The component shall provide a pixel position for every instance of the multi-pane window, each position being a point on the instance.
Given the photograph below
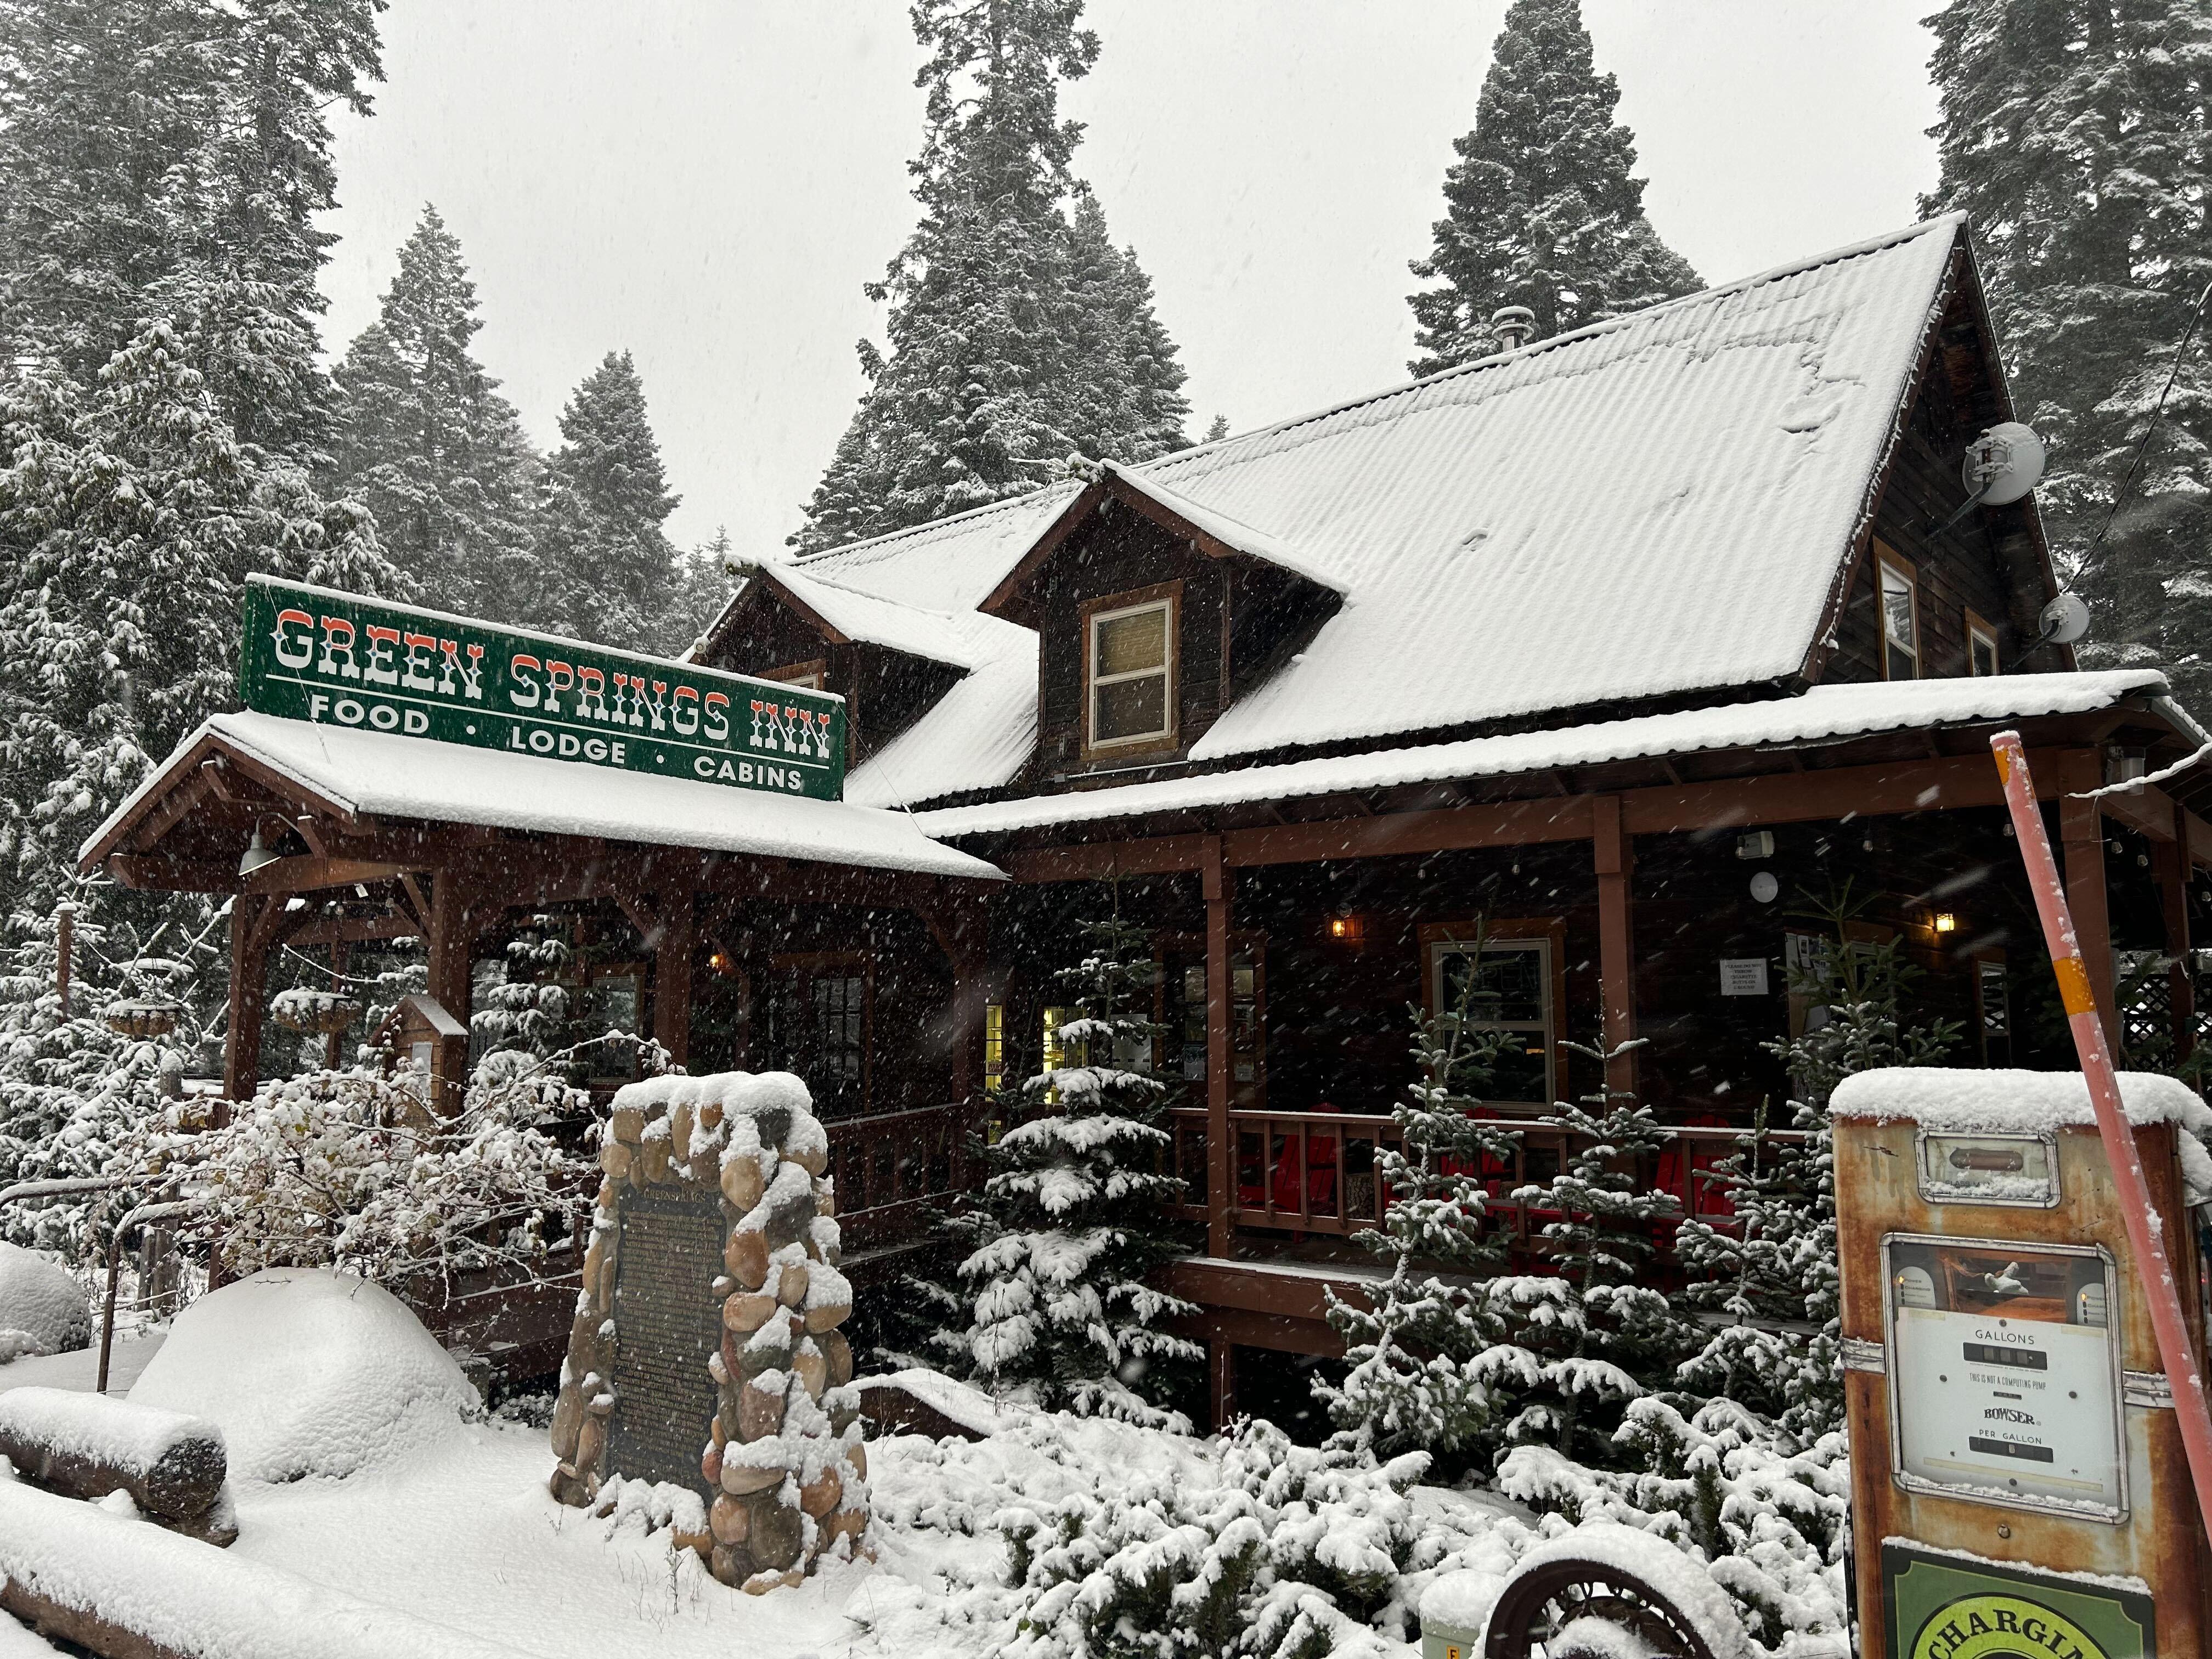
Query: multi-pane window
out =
(994, 1046)
(1511, 995)
(1901, 618)
(1130, 674)
(841, 1006)
(1994, 998)
(1981, 646)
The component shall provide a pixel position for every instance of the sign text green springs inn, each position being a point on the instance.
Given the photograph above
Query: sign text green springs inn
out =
(337, 659)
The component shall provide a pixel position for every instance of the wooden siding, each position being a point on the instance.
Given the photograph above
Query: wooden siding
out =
(885, 692)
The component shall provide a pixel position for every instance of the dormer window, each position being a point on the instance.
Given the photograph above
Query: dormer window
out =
(1900, 616)
(1129, 670)
(807, 676)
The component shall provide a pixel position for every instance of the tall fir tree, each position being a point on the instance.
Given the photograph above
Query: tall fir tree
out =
(2078, 133)
(164, 161)
(604, 568)
(1052, 1305)
(1542, 209)
(1019, 340)
(429, 445)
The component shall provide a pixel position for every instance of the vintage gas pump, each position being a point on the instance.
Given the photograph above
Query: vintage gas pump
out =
(2018, 1486)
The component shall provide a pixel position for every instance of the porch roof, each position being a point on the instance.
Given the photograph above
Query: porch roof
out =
(355, 774)
(1824, 711)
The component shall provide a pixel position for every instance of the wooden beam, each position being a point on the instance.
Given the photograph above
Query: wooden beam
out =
(1106, 860)
(249, 964)
(2174, 874)
(353, 930)
(412, 895)
(1218, 884)
(179, 803)
(450, 938)
(1925, 786)
(2147, 809)
(1615, 858)
(1448, 829)
(307, 875)
(155, 873)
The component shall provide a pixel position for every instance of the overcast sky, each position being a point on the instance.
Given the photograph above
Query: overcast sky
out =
(708, 183)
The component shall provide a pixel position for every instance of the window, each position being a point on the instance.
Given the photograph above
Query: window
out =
(994, 1046)
(1993, 1000)
(817, 1026)
(1514, 993)
(807, 676)
(1129, 670)
(1901, 617)
(1981, 646)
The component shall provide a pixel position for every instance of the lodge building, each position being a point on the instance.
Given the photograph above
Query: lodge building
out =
(1634, 643)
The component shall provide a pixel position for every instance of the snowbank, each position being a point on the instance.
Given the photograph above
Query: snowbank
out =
(308, 1372)
(192, 1598)
(43, 1309)
(1967, 1102)
(967, 1409)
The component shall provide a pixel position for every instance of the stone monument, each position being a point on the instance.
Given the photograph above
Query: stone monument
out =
(706, 1351)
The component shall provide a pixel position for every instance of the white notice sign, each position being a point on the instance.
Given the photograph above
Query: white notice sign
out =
(1743, 976)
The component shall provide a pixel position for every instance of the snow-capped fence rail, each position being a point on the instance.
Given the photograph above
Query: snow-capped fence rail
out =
(119, 1588)
(86, 1445)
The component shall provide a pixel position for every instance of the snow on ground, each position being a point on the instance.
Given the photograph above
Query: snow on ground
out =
(80, 1370)
(42, 1306)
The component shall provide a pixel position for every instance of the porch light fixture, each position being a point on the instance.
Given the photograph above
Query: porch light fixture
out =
(256, 855)
(1349, 928)
(1943, 922)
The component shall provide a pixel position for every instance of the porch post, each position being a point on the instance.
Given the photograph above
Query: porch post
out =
(2174, 871)
(960, 926)
(1217, 883)
(1615, 857)
(450, 939)
(2081, 826)
(671, 975)
(249, 967)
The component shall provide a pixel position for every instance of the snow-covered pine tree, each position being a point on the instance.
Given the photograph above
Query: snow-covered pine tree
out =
(1004, 316)
(429, 445)
(2078, 134)
(1055, 1303)
(603, 570)
(1592, 1334)
(164, 161)
(1215, 429)
(1542, 209)
(526, 1013)
(1775, 1275)
(1420, 1347)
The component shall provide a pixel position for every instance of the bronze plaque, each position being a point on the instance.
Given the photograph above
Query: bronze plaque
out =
(666, 1325)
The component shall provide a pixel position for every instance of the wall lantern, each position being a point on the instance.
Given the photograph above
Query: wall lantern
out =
(720, 961)
(1943, 922)
(1349, 928)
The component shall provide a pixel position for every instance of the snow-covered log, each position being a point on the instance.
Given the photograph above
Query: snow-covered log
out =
(87, 1446)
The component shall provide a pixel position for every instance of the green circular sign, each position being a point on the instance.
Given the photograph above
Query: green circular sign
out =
(1996, 1626)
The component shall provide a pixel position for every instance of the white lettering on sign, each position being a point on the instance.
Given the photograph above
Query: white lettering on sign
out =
(1743, 976)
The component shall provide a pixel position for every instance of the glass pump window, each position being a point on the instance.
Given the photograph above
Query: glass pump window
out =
(1132, 674)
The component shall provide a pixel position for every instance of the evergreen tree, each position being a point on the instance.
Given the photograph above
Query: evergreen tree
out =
(604, 568)
(526, 1013)
(1053, 1294)
(2078, 133)
(164, 161)
(1541, 208)
(429, 445)
(1421, 1349)
(1020, 339)
(1777, 1270)
(1216, 429)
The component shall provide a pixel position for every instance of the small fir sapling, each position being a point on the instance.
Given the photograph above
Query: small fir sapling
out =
(1419, 1350)
(1775, 1274)
(526, 1012)
(1592, 1334)
(1053, 1307)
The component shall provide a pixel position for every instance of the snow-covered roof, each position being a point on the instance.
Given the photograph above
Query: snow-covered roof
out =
(870, 619)
(1825, 711)
(387, 773)
(1979, 1101)
(1655, 506)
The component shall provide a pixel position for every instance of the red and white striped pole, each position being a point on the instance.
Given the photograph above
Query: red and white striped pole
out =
(2080, 1003)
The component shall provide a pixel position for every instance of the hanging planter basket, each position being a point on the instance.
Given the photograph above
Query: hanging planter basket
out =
(314, 1014)
(143, 1018)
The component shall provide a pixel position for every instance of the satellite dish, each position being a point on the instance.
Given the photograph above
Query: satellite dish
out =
(2065, 619)
(2004, 464)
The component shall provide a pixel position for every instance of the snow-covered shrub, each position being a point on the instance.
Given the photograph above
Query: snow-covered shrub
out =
(308, 1372)
(1765, 1517)
(1051, 1305)
(42, 1308)
(349, 1170)
(1275, 1549)
(528, 1009)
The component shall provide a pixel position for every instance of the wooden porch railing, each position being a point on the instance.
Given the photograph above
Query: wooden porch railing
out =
(895, 1171)
(1315, 1172)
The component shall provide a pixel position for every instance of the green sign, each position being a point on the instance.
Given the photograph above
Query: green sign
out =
(339, 659)
(1952, 1607)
